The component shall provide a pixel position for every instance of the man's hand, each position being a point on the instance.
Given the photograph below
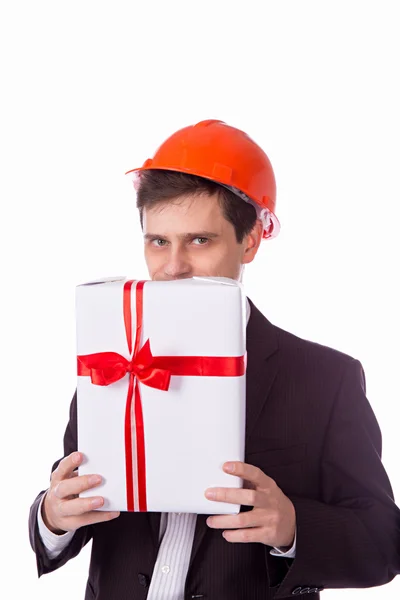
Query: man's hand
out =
(271, 522)
(62, 510)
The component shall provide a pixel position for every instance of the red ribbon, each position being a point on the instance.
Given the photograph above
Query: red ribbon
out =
(105, 368)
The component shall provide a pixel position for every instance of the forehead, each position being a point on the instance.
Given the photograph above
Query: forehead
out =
(186, 211)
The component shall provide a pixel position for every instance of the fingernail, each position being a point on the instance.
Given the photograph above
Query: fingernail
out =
(210, 494)
(94, 479)
(230, 467)
(96, 502)
(77, 458)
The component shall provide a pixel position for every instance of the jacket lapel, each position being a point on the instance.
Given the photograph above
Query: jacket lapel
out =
(262, 367)
(154, 522)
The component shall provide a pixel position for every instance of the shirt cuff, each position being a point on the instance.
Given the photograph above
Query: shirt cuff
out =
(53, 543)
(291, 553)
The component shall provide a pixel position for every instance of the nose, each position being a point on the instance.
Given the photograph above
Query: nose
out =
(177, 265)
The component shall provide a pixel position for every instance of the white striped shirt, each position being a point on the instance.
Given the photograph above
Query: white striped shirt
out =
(169, 574)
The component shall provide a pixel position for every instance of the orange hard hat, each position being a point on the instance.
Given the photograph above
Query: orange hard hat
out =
(216, 151)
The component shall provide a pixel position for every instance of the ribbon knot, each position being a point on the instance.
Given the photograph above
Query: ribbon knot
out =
(105, 368)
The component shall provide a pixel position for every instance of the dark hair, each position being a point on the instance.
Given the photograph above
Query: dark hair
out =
(159, 185)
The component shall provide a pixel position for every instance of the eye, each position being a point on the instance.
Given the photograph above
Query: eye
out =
(201, 241)
(159, 243)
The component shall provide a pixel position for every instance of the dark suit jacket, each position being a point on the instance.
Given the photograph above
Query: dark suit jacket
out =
(310, 427)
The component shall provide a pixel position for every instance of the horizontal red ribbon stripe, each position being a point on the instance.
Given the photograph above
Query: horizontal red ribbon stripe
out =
(107, 367)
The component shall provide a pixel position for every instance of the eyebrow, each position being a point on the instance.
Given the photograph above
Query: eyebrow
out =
(183, 236)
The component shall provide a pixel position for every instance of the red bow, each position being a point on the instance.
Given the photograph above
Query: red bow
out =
(105, 368)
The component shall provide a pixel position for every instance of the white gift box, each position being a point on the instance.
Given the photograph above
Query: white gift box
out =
(168, 447)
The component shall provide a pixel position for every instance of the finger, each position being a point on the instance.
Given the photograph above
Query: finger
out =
(89, 518)
(66, 466)
(76, 485)
(244, 536)
(100, 516)
(79, 506)
(243, 520)
(245, 497)
(249, 473)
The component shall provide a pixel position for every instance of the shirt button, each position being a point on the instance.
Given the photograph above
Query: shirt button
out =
(143, 579)
(165, 569)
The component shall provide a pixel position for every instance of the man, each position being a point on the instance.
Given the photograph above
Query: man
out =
(317, 509)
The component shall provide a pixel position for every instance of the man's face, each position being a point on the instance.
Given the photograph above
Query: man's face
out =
(189, 236)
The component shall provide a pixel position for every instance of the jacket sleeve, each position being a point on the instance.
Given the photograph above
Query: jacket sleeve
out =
(82, 535)
(350, 538)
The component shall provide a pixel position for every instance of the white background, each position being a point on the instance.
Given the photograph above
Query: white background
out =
(88, 91)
